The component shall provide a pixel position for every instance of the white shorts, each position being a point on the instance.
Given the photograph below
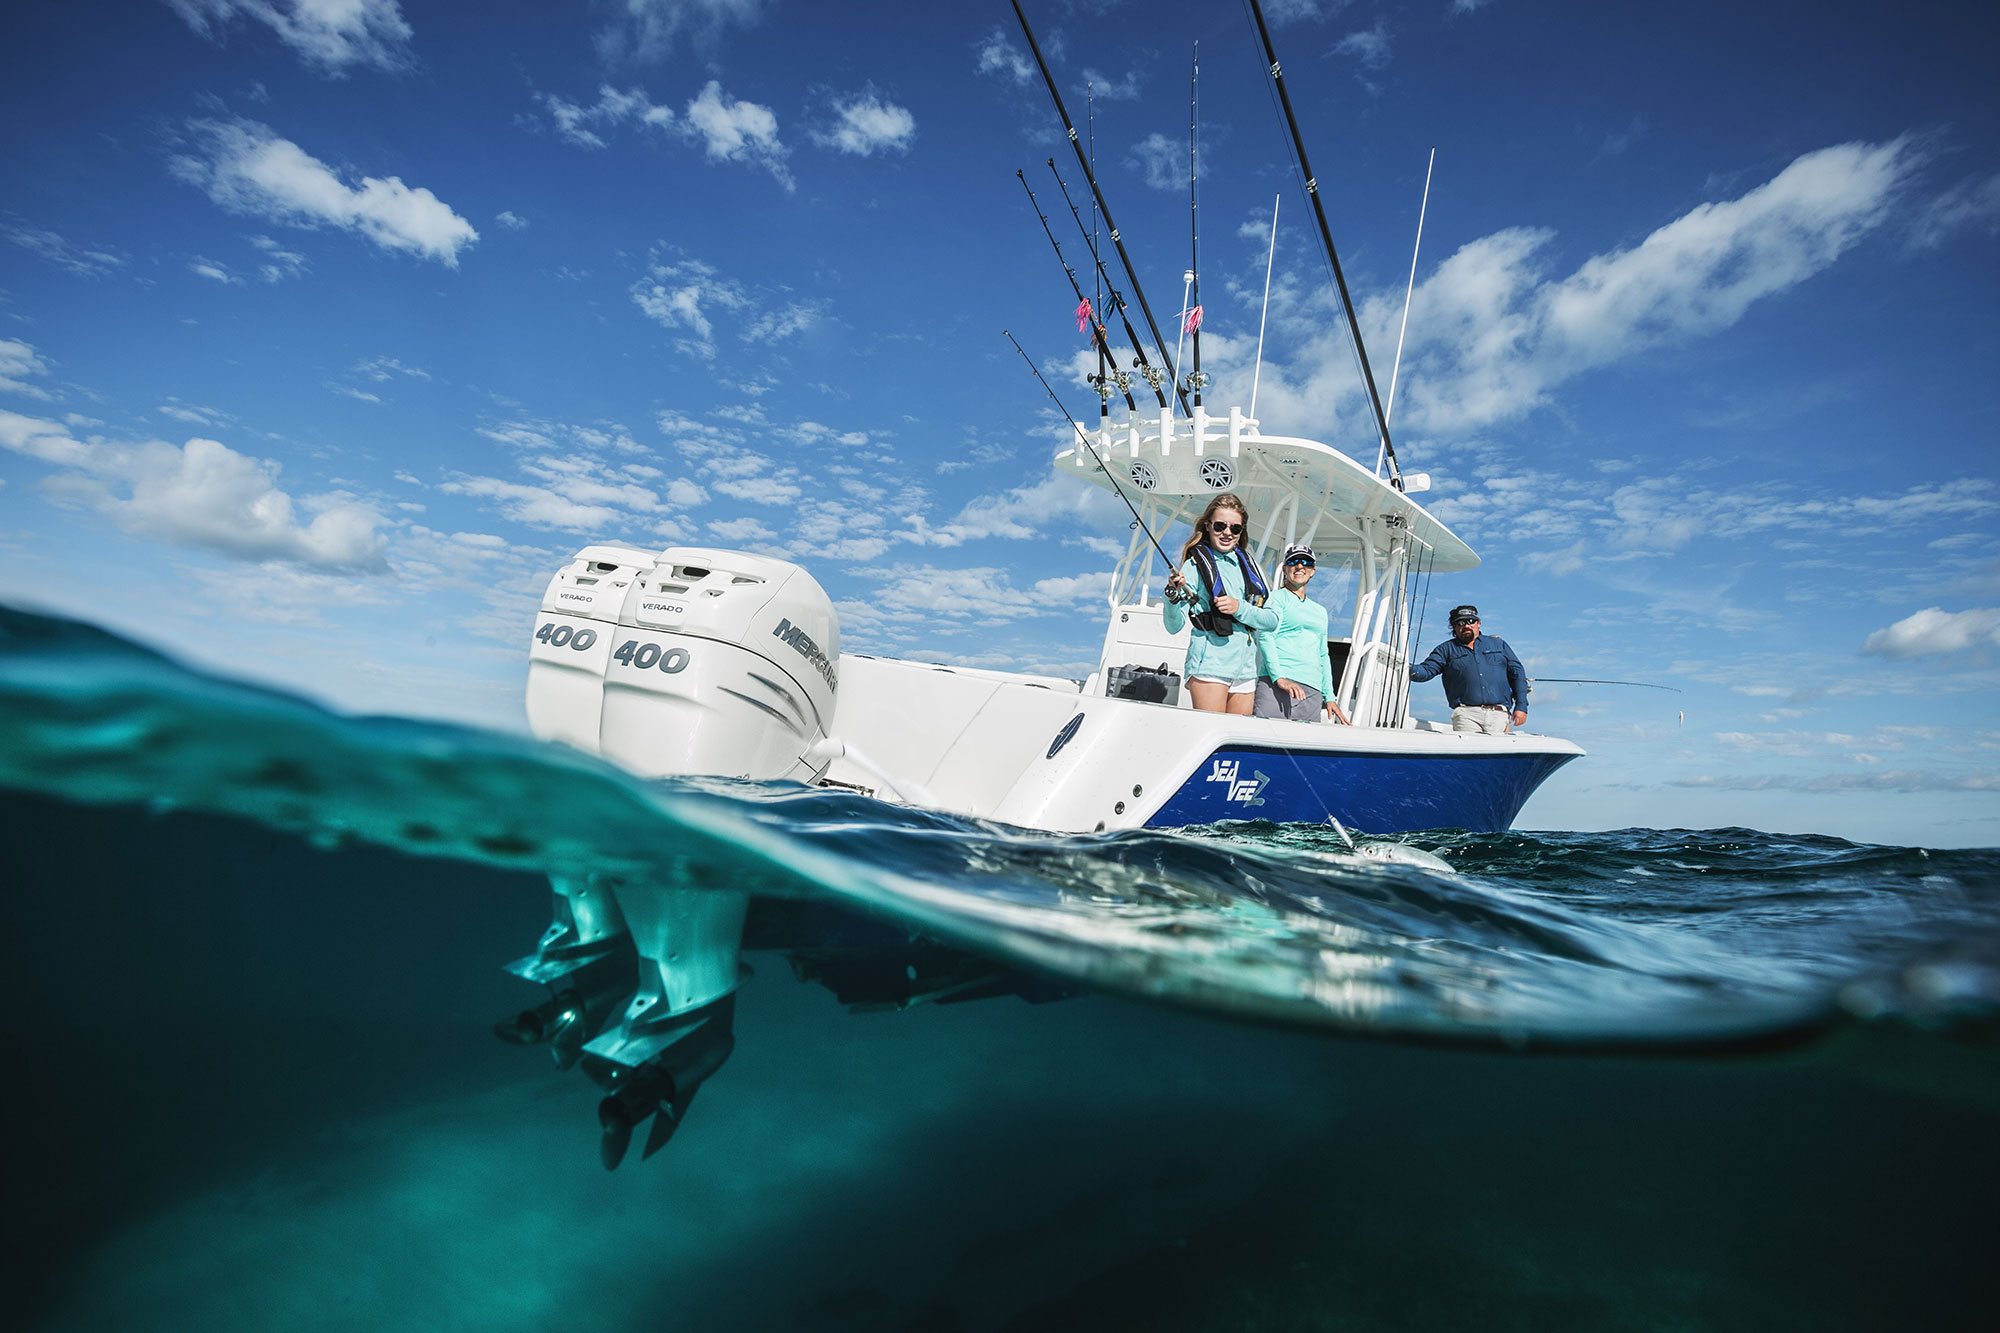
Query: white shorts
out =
(1248, 685)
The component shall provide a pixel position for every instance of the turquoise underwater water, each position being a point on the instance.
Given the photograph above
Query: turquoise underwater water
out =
(1643, 1079)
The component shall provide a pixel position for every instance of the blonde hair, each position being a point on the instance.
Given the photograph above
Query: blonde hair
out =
(1226, 500)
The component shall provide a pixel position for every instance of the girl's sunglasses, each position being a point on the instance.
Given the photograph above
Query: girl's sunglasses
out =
(1230, 529)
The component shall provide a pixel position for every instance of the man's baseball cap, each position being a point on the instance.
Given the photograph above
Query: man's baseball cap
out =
(1302, 553)
(1461, 615)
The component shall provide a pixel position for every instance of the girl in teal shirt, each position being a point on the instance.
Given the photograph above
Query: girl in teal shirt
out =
(1221, 658)
(1297, 676)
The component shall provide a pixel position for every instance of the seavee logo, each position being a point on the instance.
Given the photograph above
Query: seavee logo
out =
(806, 648)
(1230, 773)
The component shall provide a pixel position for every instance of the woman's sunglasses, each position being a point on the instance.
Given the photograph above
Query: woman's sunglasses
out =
(1228, 529)
(1300, 563)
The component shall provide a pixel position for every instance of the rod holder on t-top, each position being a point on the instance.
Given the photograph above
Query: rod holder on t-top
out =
(1172, 594)
(1083, 160)
(1326, 236)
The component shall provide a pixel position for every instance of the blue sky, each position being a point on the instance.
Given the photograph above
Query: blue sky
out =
(330, 328)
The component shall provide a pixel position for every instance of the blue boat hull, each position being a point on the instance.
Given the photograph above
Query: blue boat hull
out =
(1368, 793)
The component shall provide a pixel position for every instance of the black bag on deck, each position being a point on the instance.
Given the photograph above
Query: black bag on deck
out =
(1152, 685)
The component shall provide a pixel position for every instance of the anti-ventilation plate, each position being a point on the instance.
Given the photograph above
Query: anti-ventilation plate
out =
(1217, 474)
(1142, 474)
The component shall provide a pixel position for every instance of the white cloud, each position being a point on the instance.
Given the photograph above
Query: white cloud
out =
(1370, 46)
(914, 594)
(761, 490)
(83, 260)
(744, 530)
(864, 124)
(568, 484)
(1970, 203)
(537, 506)
(194, 414)
(18, 361)
(998, 55)
(278, 263)
(689, 295)
(1934, 631)
(1281, 12)
(329, 34)
(1106, 89)
(203, 495)
(1164, 161)
(1490, 336)
(612, 108)
(777, 325)
(246, 168)
(813, 432)
(384, 368)
(1090, 589)
(511, 220)
(649, 28)
(738, 131)
(208, 268)
(681, 295)
(1055, 505)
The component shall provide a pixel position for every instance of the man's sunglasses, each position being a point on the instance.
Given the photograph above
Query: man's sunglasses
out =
(1230, 529)
(1303, 562)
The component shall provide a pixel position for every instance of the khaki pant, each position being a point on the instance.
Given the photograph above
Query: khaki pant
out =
(1492, 721)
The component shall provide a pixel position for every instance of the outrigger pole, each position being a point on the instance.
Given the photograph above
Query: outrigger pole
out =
(1084, 436)
(1325, 235)
(1083, 161)
(1082, 302)
(1144, 367)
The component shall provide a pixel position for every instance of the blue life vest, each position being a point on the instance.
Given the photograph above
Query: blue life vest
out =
(1213, 621)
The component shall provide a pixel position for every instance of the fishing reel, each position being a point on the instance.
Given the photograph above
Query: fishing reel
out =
(1117, 381)
(1154, 375)
(1196, 382)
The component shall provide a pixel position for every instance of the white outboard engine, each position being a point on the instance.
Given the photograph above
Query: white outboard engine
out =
(695, 661)
(691, 662)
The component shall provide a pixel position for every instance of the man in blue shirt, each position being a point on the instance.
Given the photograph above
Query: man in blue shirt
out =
(1482, 677)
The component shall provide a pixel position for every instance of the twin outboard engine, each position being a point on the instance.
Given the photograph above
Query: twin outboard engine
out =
(690, 662)
(694, 661)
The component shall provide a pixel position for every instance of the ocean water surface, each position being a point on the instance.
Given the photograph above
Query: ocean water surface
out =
(1642, 1079)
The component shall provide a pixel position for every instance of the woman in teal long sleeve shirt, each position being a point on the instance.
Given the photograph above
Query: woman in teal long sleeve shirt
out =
(1297, 678)
(1221, 667)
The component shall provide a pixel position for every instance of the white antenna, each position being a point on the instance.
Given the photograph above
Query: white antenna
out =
(1395, 369)
(1258, 373)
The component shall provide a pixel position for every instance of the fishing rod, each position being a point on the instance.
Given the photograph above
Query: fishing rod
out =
(1095, 457)
(1326, 237)
(1085, 313)
(1083, 161)
(1144, 367)
(1635, 684)
(1191, 325)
